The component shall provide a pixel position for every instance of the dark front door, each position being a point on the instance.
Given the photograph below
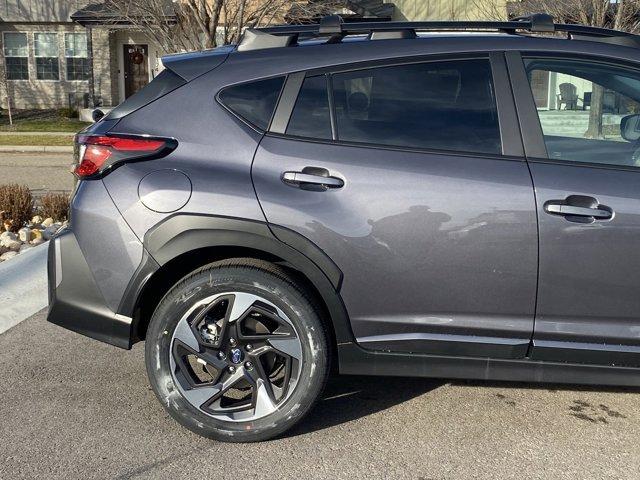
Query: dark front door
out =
(408, 192)
(136, 68)
(588, 200)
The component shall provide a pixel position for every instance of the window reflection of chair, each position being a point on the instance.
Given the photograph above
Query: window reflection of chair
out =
(568, 96)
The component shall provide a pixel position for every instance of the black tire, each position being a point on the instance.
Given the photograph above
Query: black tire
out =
(258, 278)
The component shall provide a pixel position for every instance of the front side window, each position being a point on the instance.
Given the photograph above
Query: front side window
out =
(16, 54)
(76, 56)
(254, 101)
(45, 46)
(447, 105)
(588, 111)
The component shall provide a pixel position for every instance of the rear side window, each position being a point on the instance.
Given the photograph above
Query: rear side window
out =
(254, 101)
(165, 82)
(311, 117)
(448, 105)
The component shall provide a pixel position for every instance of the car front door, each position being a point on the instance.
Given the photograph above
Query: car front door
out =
(400, 175)
(584, 155)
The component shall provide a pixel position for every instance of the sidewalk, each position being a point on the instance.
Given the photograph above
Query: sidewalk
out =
(62, 134)
(23, 286)
(35, 149)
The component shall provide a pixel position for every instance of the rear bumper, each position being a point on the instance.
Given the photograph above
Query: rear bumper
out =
(75, 302)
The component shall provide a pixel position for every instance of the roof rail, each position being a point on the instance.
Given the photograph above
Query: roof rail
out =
(334, 29)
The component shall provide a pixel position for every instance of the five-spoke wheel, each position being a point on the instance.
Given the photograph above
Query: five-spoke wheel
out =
(237, 351)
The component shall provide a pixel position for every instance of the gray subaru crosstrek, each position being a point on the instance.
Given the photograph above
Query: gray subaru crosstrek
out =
(457, 200)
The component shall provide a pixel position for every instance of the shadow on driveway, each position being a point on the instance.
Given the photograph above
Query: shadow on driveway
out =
(348, 398)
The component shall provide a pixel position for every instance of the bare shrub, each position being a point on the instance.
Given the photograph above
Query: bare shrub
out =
(56, 206)
(16, 206)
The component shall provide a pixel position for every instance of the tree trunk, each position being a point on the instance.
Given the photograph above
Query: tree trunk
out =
(595, 114)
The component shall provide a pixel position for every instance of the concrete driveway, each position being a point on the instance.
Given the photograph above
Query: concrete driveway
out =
(74, 408)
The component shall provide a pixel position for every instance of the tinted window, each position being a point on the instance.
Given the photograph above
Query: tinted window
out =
(437, 105)
(588, 111)
(165, 82)
(310, 117)
(253, 101)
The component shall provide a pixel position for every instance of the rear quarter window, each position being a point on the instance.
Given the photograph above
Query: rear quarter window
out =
(165, 82)
(254, 102)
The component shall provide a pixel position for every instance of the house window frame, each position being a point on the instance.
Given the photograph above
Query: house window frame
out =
(4, 46)
(35, 56)
(66, 58)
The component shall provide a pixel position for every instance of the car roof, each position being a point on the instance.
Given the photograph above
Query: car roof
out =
(318, 53)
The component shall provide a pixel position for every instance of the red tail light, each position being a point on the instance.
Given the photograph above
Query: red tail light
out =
(98, 153)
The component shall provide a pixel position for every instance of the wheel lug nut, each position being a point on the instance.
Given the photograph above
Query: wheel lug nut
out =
(249, 347)
(232, 369)
(232, 342)
(248, 365)
(221, 355)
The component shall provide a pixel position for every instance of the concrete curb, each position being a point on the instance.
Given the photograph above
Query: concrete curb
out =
(35, 149)
(23, 286)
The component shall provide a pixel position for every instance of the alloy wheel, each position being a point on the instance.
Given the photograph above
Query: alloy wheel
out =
(235, 356)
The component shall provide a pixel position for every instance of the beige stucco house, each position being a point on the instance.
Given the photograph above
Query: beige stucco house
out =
(53, 60)
(77, 53)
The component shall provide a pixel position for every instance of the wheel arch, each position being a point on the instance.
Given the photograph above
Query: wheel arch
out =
(184, 242)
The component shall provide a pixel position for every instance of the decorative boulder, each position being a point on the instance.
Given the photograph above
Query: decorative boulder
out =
(36, 233)
(7, 238)
(50, 231)
(37, 241)
(47, 222)
(24, 234)
(7, 256)
(14, 245)
(37, 220)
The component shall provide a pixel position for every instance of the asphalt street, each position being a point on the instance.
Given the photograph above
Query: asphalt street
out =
(39, 171)
(75, 408)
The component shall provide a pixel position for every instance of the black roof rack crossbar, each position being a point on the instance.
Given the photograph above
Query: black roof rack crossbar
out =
(332, 26)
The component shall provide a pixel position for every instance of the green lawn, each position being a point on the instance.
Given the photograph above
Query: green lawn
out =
(55, 125)
(37, 140)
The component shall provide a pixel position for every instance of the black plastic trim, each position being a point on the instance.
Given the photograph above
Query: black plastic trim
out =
(592, 353)
(183, 233)
(507, 115)
(75, 301)
(354, 360)
(147, 267)
(532, 137)
(286, 103)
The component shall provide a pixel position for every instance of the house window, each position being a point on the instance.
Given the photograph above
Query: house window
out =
(75, 52)
(16, 54)
(46, 52)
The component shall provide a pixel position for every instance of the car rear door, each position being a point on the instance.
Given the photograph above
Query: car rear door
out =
(410, 177)
(587, 180)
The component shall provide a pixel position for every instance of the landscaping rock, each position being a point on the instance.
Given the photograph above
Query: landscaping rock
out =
(24, 234)
(47, 222)
(7, 237)
(36, 234)
(7, 256)
(37, 220)
(50, 231)
(13, 245)
(3, 249)
(37, 241)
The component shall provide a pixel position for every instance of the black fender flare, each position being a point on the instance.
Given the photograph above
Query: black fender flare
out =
(183, 233)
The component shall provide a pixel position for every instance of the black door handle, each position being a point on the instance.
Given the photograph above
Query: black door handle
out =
(583, 207)
(312, 178)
